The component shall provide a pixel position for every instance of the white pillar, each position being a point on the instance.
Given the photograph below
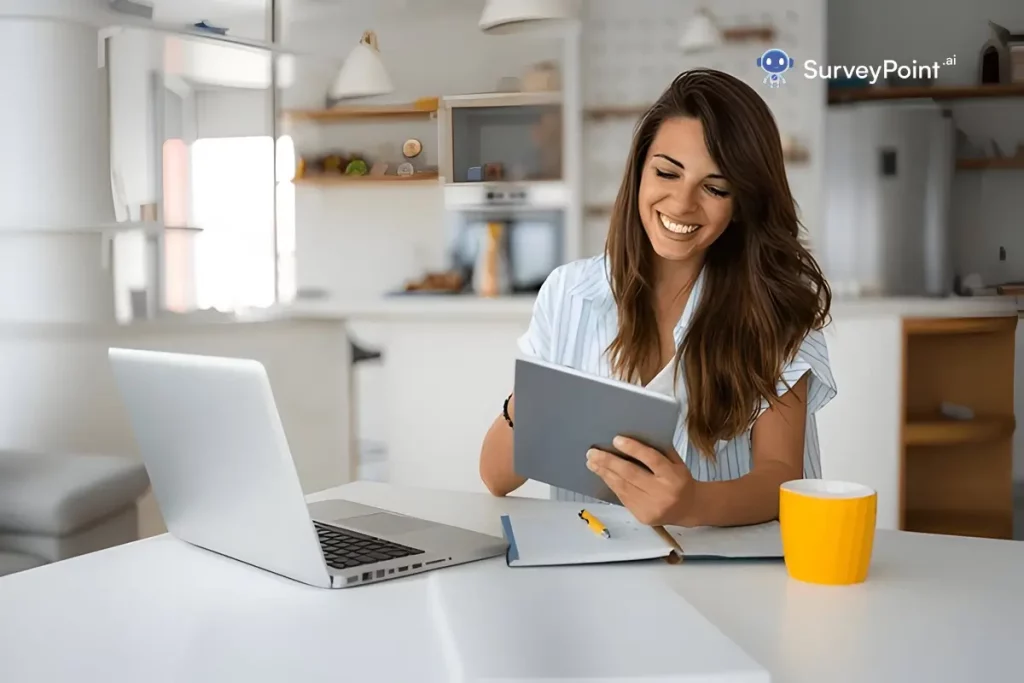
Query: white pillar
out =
(55, 189)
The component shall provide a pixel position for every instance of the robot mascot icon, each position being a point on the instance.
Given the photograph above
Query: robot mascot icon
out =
(774, 63)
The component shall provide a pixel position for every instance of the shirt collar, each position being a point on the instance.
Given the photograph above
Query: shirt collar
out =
(597, 288)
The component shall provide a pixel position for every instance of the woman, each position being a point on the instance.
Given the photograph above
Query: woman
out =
(706, 292)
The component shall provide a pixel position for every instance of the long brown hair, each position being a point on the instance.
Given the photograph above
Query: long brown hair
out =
(762, 292)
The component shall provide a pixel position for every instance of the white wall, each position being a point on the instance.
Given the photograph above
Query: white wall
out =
(630, 55)
(867, 31)
(132, 116)
(54, 173)
(228, 113)
(987, 205)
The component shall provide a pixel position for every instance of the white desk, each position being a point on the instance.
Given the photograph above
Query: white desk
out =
(934, 609)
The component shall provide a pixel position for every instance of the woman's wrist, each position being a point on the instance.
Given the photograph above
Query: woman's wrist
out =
(693, 502)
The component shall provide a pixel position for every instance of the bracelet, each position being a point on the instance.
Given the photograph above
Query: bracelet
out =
(504, 411)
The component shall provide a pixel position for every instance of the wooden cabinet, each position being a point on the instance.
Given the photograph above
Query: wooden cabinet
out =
(957, 474)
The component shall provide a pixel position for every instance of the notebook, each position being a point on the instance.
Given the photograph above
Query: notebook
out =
(554, 534)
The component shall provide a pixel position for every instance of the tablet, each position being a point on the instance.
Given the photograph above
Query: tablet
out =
(561, 413)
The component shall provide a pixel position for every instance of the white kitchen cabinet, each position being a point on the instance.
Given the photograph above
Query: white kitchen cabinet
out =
(445, 385)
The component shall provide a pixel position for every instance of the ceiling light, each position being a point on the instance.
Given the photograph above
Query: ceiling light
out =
(701, 33)
(516, 16)
(363, 74)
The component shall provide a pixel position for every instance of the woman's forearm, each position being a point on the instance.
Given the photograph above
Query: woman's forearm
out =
(496, 457)
(750, 499)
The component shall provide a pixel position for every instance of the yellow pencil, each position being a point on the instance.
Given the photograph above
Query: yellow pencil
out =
(595, 524)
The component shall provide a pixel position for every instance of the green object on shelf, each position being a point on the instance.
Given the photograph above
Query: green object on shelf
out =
(356, 167)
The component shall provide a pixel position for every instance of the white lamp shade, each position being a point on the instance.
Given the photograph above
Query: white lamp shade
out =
(363, 74)
(515, 16)
(701, 33)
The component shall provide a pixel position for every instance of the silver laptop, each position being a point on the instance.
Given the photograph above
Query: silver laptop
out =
(212, 441)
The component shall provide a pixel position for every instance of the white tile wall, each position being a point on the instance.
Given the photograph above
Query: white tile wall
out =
(630, 55)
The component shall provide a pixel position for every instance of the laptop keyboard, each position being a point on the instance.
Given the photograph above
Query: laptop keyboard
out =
(344, 549)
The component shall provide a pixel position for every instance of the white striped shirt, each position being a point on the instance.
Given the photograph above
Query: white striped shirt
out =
(575, 319)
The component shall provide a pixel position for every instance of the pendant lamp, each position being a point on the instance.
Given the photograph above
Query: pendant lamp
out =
(515, 16)
(701, 33)
(363, 74)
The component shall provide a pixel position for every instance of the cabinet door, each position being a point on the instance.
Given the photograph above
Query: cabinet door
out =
(446, 382)
(859, 430)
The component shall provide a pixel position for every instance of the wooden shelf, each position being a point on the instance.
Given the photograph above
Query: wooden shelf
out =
(422, 108)
(597, 211)
(129, 21)
(339, 179)
(964, 92)
(943, 326)
(148, 227)
(597, 113)
(538, 98)
(1000, 163)
(954, 523)
(935, 430)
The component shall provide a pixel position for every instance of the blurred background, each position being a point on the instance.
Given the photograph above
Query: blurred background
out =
(366, 195)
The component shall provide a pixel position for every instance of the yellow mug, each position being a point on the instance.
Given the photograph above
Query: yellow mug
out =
(828, 530)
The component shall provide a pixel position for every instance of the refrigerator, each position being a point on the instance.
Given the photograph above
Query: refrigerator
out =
(888, 175)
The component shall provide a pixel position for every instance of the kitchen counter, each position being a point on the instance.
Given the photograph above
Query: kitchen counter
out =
(468, 308)
(927, 307)
(429, 307)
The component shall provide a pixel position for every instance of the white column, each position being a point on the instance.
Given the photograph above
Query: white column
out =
(55, 189)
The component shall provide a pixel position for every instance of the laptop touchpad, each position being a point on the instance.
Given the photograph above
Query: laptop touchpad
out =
(386, 524)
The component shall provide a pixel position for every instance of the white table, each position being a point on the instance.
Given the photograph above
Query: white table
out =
(934, 609)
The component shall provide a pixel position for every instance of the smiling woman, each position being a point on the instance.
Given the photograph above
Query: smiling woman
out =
(705, 292)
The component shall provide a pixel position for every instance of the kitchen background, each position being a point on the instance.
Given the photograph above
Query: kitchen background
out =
(216, 223)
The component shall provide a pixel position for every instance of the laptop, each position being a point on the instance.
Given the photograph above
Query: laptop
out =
(212, 441)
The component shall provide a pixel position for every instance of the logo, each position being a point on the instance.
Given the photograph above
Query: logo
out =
(774, 63)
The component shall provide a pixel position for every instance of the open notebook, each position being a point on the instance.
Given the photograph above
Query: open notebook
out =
(554, 534)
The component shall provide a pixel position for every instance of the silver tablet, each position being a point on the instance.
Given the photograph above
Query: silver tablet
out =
(561, 413)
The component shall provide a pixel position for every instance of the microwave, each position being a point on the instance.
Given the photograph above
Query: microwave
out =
(501, 137)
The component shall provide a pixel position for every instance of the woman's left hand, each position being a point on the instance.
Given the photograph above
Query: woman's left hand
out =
(662, 496)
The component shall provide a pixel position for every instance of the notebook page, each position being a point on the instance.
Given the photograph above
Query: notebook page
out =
(554, 534)
(743, 542)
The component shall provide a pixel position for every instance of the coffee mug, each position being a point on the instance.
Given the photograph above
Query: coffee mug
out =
(828, 530)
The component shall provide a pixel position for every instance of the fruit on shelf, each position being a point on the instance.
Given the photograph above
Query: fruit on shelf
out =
(357, 167)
